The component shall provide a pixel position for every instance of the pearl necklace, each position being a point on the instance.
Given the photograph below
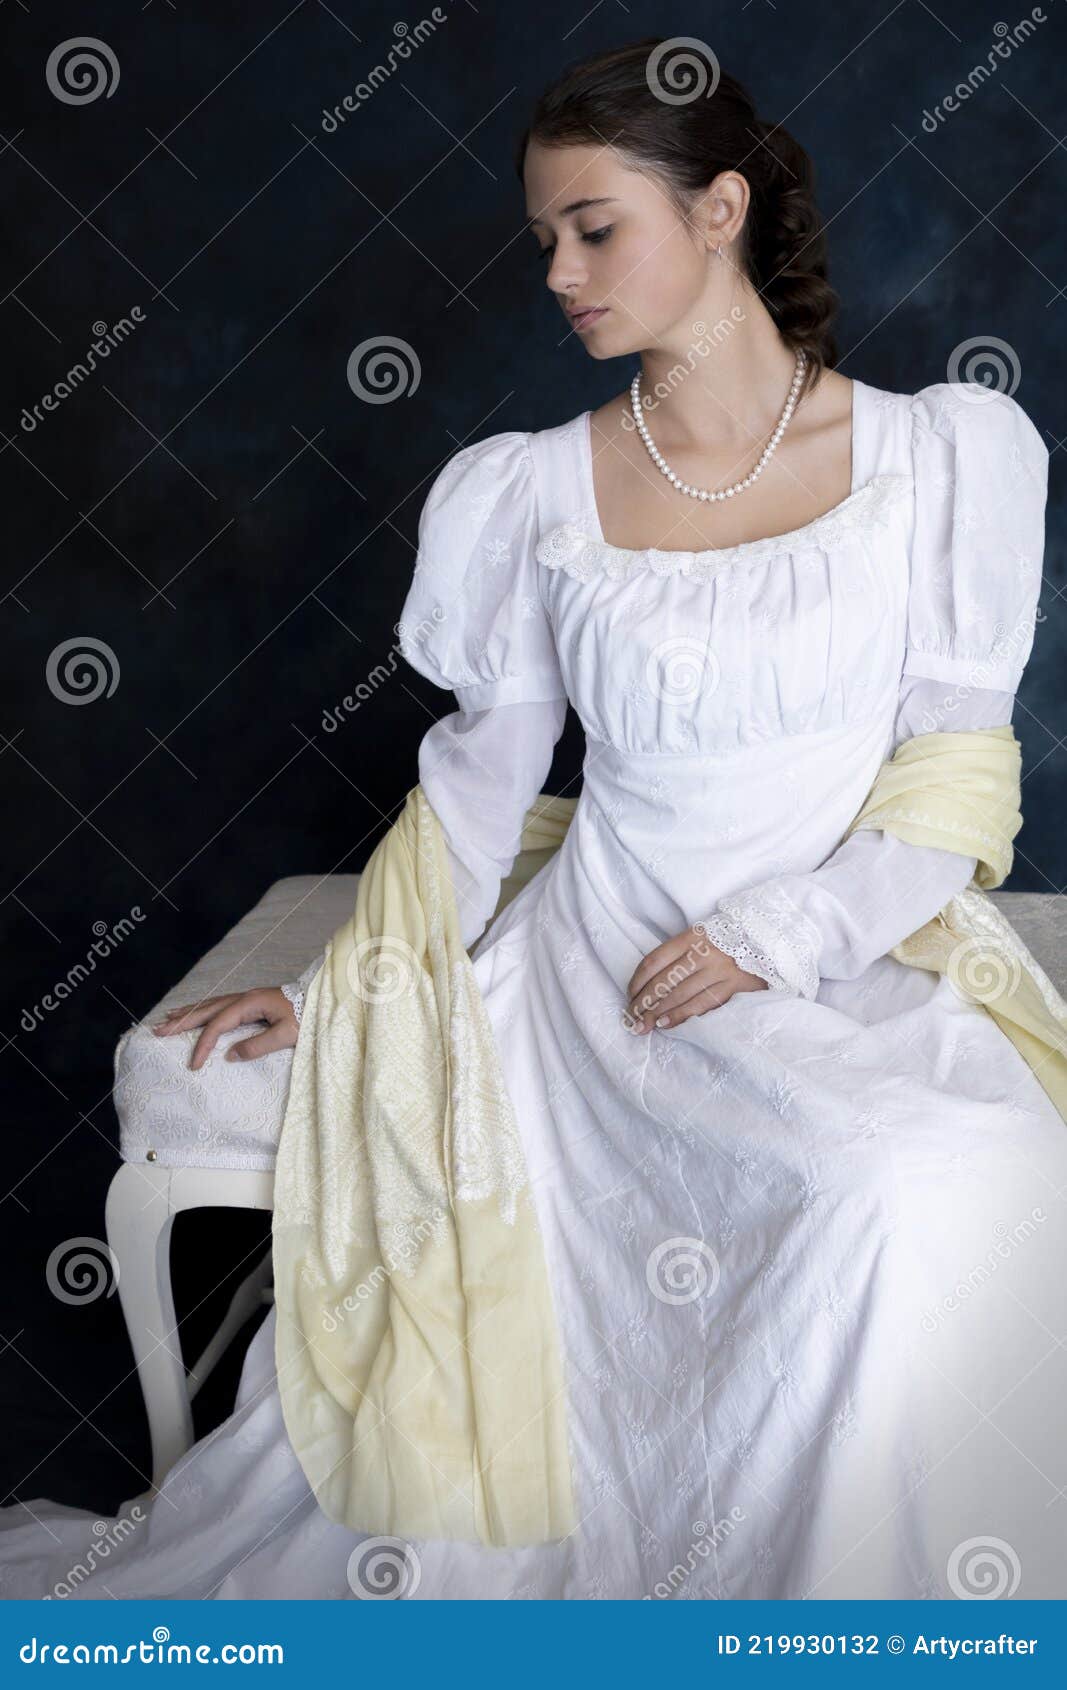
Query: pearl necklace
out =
(765, 456)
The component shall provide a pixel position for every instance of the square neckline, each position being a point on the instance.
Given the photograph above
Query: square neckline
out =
(741, 546)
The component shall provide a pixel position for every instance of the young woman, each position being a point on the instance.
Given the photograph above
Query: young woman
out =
(766, 1154)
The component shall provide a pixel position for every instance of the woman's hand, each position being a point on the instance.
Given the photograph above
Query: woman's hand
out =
(235, 1009)
(685, 976)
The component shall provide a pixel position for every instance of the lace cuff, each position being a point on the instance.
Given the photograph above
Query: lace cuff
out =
(767, 934)
(295, 989)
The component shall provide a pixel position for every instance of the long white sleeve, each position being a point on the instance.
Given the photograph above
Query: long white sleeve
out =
(481, 770)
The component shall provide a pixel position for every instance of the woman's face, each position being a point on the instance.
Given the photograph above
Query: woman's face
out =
(611, 239)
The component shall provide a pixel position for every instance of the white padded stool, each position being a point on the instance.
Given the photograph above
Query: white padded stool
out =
(209, 1138)
(204, 1138)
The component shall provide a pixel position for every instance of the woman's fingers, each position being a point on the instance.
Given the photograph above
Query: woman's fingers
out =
(241, 1009)
(653, 963)
(685, 952)
(674, 983)
(233, 1009)
(186, 1015)
(668, 995)
(711, 997)
(277, 1037)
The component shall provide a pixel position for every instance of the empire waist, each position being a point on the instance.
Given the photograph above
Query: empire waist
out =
(784, 804)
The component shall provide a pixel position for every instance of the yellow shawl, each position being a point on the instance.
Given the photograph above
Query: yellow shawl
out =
(417, 1351)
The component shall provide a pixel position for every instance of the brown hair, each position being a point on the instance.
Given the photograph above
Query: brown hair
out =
(624, 99)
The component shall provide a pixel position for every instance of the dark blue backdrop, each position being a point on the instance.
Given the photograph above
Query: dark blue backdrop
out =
(215, 507)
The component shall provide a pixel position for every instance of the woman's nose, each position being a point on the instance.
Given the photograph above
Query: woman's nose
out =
(565, 278)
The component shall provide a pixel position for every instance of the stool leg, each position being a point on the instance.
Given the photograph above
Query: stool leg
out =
(245, 1301)
(139, 1219)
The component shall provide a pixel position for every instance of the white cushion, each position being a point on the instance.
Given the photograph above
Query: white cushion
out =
(225, 1114)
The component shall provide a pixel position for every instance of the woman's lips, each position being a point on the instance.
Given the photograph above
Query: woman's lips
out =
(582, 319)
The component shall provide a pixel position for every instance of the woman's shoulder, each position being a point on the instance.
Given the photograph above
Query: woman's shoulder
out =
(511, 443)
(477, 477)
(974, 418)
(507, 456)
(499, 454)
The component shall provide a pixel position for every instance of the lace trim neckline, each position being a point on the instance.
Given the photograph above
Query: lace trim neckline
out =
(573, 547)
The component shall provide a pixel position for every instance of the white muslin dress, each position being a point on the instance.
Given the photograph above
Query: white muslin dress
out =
(807, 1249)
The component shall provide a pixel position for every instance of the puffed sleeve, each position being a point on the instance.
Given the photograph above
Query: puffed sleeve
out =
(981, 478)
(474, 619)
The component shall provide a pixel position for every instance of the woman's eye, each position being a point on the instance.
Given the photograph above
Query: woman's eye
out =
(594, 237)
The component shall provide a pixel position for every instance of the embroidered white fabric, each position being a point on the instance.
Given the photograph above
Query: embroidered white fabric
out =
(871, 893)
